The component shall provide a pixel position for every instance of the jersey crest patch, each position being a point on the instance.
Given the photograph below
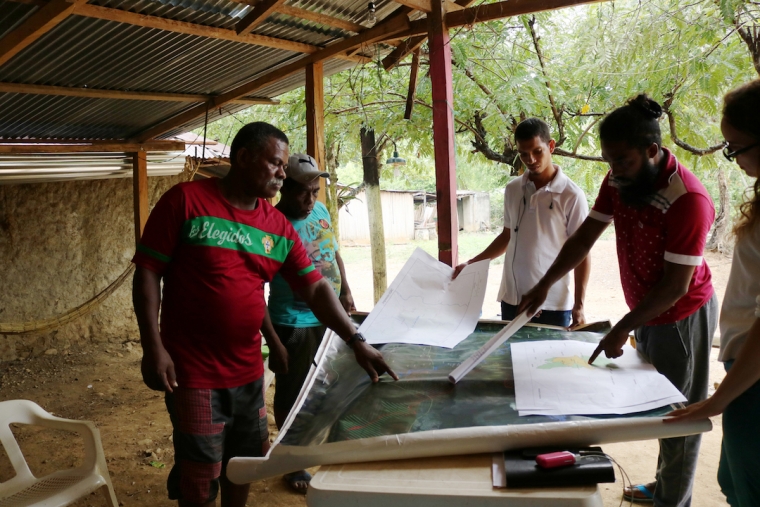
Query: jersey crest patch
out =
(268, 243)
(324, 223)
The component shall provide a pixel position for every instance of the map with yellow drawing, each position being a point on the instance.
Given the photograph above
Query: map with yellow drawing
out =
(576, 362)
(554, 378)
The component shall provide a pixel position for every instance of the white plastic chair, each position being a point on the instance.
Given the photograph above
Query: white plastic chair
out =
(59, 488)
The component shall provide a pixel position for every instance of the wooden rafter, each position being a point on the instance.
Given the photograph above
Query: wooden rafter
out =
(412, 44)
(407, 46)
(50, 146)
(119, 94)
(442, 93)
(314, 94)
(471, 16)
(170, 25)
(288, 10)
(322, 19)
(410, 95)
(258, 15)
(396, 23)
(425, 5)
(140, 192)
(35, 26)
(506, 9)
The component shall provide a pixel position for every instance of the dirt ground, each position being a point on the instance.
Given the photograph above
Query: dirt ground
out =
(103, 384)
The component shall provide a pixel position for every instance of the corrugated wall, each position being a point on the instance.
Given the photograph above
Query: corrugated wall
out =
(398, 218)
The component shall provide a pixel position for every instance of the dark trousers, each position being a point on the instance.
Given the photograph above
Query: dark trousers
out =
(739, 470)
(561, 318)
(681, 352)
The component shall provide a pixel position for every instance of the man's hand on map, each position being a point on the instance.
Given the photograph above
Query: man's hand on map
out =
(612, 344)
(459, 269)
(532, 301)
(579, 318)
(372, 361)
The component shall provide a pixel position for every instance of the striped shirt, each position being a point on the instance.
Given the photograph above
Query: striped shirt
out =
(673, 227)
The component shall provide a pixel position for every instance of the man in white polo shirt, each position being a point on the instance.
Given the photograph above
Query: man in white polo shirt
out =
(542, 208)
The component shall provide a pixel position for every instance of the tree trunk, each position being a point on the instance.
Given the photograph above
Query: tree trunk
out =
(721, 231)
(374, 211)
(331, 161)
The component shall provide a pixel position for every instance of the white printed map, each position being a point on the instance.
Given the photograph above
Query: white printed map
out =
(425, 306)
(553, 377)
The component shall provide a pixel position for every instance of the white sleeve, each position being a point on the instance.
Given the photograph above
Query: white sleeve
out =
(507, 218)
(577, 213)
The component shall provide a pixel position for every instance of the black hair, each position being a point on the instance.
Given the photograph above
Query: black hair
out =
(253, 136)
(532, 127)
(635, 123)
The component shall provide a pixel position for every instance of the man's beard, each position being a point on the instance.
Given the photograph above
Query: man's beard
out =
(639, 191)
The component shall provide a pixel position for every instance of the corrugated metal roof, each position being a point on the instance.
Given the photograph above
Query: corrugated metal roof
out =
(284, 85)
(12, 13)
(40, 116)
(78, 166)
(86, 52)
(93, 53)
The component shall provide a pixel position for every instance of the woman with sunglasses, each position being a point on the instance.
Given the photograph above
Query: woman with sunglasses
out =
(738, 397)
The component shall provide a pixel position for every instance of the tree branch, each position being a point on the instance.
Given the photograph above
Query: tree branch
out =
(564, 153)
(673, 132)
(480, 144)
(556, 112)
(751, 38)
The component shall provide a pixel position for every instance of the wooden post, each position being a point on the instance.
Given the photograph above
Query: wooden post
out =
(140, 191)
(411, 94)
(374, 211)
(443, 134)
(315, 120)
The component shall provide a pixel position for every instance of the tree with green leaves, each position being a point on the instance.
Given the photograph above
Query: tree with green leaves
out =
(569, 67)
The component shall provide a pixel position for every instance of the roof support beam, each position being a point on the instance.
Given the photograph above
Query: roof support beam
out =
(51, 146)
(315, 119)
(396, 23)
(322, 19)
(140, 192)
(289, 10)
(407, 46)
(473, 15)
(414, 71)
(412, 44)
(35, 26)
(441, 78)
(425, 5)
(506, 9)
(258, 15)
(170, 25)
(94, 93)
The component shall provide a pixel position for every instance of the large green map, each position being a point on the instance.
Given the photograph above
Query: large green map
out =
(344, 405)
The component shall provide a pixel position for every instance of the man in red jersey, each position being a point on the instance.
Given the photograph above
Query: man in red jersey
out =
(214, 243)
(662, 215)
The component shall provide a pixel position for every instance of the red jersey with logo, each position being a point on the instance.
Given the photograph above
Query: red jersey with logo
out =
(214, 259)
(673, 228)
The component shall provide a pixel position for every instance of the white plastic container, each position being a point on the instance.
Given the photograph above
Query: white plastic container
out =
(456, 481)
